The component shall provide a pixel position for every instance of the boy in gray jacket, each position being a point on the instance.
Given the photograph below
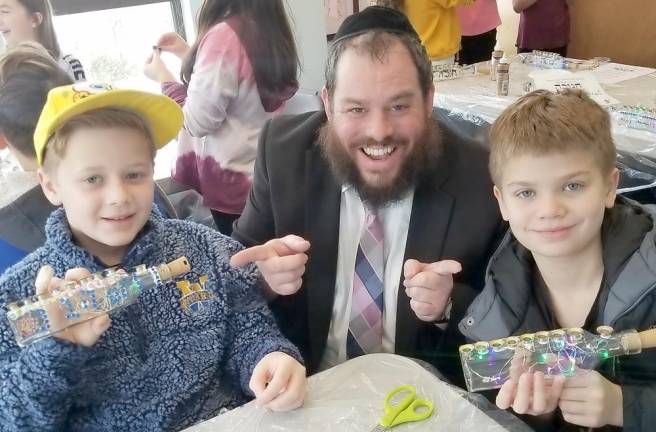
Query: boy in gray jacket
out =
(576, 256)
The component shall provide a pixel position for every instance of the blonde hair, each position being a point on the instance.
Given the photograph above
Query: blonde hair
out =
(103, 118)
(543, 122)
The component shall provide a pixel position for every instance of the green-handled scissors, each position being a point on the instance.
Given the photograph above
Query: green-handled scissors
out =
(407, 410)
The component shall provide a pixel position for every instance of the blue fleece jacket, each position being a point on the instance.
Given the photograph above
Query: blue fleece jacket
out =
(157, 367)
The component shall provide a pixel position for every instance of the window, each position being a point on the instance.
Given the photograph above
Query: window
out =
(113, 38)
(65, 7)
(113, 42)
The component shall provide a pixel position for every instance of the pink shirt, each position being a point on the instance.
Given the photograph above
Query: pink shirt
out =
(481, 17)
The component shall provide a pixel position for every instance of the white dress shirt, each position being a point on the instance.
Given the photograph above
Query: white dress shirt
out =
(395, 220)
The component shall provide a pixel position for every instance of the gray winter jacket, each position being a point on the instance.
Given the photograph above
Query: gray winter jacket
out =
(507, 306)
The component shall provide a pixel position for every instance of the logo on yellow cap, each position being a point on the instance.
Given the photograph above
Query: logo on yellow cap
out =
(86, 89)
(163, 115)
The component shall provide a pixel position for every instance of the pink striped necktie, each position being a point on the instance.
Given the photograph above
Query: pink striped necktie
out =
(365, 333)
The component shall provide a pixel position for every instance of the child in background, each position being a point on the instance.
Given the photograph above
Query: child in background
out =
(478, 25)
(543, 25)
(438, 26)
(27, 74)
(31, 20)
(157, 364)
(576, 256)
(237, 75)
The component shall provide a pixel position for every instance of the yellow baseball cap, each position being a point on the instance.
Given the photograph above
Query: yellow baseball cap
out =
(162, 113)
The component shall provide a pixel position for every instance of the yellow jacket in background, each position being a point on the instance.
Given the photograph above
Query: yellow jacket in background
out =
(437, 24)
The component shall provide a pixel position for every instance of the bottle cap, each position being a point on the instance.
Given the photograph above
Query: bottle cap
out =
(174, 268)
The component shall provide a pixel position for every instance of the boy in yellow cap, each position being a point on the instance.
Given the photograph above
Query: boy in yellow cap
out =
(158, 364)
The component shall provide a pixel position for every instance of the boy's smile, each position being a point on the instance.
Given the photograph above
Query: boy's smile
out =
(105, 184)
(554, 233)
(119, 220)
(555, 203)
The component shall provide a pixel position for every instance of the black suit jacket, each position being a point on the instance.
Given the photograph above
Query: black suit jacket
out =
(454, 215)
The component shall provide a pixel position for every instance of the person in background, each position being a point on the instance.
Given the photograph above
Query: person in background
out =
(478, 25)
(360, 209)
(168, 360)
(543, 25)
(31, 20)
(438, 26)
(236, 76)
(27, 74)
(576, 256)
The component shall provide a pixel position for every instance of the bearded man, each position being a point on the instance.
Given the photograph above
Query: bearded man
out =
(361, 216)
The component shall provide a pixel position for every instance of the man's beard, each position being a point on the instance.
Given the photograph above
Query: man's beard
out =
(418, 164)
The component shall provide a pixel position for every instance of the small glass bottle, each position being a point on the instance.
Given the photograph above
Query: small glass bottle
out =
(503, 77)
(497, 55)
(41, 316)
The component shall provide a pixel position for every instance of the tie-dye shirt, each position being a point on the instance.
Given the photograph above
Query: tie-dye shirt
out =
(223, 117)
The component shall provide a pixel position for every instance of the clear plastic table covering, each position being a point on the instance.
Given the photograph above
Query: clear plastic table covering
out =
(349, 397)
(474, 97)
(470, 104)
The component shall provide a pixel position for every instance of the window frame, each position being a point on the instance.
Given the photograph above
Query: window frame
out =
(67, 7)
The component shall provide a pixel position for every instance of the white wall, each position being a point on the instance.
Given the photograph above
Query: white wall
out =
(194, 5)
(507, 31)
(308, 24)
(189, 9)
(309, 27)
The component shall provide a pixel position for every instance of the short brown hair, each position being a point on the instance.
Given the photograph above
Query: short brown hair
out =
(27, 74)
(376, 44)
(543, 122)
(103, 118)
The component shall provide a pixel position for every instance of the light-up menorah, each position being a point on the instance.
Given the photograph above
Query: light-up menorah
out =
(635, 117)
(41, 316)
(567, 352)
